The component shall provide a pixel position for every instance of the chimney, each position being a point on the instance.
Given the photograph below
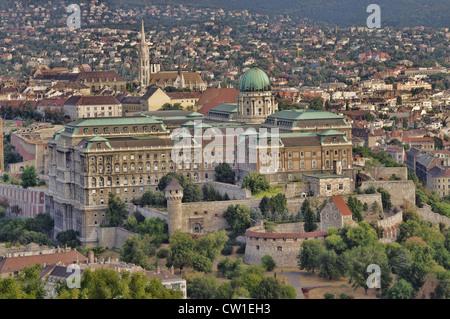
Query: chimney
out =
(91, 257)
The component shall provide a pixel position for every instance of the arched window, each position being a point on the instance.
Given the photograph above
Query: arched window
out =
(327, 163)
(344, 163)
(260, 110)
(94, 182)
(197, 228)
(248, 111)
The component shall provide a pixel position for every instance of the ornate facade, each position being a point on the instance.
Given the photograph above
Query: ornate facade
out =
(90, 158)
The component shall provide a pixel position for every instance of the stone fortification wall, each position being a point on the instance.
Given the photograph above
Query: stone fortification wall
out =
(113, 237)
(233, 191)
(431, 217)
(403, 193)
(147, 212)
(283, 247)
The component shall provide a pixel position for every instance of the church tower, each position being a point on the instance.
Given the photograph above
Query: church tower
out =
(144, 60)
(255, 100)
(174, 196)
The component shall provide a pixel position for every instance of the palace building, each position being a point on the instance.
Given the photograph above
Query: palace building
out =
(92, 157)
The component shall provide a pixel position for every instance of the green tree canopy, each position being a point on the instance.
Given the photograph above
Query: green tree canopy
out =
(29, 177)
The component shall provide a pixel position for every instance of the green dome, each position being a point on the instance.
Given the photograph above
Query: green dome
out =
(254, 80)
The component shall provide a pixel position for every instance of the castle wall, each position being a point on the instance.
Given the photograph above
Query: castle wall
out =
(113, 237)
(403, 193)
(148, 212)
(284, 250)
(233, 191)
(429, 216)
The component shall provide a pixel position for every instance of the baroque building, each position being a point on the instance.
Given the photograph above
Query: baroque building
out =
(93, 157)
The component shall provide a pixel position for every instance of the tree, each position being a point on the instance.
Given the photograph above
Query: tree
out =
(316, 104)
(279, 203)
(385, 199)
(400, 290)
(309, 256)
(399, 100)
(181, 253)
(166, 179)
(268, 263)
(31, 283)
(10, 289)
(224, 173)
(355, 207)
(69, 238)
(335, 241)
(272, 288)
(116, 212)
(192, 193)
(330, 267)
(29, 177)
(136, 250)
(309, 217)
(238, 217)
(357, 261)
(202, 288)
(265, 205)
(225, 291)
(230, 268)
(255, 182)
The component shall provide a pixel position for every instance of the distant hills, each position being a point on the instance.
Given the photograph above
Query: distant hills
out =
(397, 13)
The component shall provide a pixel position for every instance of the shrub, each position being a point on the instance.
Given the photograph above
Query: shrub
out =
(241, 249)
(162, 253)
(227, 250)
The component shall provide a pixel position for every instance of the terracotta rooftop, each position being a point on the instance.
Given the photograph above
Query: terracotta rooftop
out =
(341, 205)
(14, 264)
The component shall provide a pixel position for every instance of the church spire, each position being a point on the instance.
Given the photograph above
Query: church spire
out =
(142, 32)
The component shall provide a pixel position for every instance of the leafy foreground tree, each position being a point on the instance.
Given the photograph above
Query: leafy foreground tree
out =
(197, 253)
(238, 217)
(224, 173)
(108, 284)
(69, 238)
(268, 263)
(271, 288)
(117, 211)
(309, 256)
(27, 285)
(400, 290)
(255, 182)
(29, 177)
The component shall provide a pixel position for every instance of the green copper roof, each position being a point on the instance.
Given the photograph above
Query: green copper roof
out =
(304, 114)
(331, 132)
(254, 80)
(194, 114)
(96, 139)
(115, 121)
(226, 107)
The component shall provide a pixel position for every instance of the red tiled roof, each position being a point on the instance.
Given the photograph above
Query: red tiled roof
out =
(213, 97)
(341, 205)
(13, 264)
(92, 100)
